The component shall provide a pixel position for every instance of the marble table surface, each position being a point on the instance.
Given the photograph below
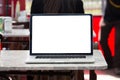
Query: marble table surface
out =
(15, 60)
(17, 33)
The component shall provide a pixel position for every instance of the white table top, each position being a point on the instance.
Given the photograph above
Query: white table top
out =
(17, 33)
(15, 60)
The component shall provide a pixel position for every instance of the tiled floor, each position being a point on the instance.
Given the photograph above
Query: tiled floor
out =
(104, 75)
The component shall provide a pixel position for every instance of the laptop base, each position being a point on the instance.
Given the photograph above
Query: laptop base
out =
(34, 60)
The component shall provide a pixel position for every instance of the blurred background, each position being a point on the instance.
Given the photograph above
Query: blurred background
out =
(16, 8)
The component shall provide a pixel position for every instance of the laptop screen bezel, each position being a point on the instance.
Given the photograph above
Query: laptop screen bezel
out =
(77, 14)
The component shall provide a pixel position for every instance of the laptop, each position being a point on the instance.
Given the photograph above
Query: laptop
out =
(60, 38)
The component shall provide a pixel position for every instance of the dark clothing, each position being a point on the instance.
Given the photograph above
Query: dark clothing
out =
(105, 33)
(117, 46)
(57, 6)
(111, 19)
(111, 12)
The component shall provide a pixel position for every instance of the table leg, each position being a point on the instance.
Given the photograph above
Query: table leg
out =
(79, 75)
(93, 75)
(29, 77)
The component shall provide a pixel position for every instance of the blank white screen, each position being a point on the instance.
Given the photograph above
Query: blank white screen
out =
(61, 34)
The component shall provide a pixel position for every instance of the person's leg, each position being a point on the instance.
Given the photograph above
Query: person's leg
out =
(117, 47)
(105, 31)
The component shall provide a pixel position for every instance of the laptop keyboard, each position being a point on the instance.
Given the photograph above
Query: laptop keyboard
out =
(60, 59)
(66, 56)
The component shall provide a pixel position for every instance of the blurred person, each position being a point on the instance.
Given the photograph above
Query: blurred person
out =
(57, 6)
(110, 19)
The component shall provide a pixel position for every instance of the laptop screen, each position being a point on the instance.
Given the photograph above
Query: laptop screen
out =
(61, 34)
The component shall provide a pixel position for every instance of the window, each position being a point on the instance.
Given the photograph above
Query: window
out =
(28, 6)
(1, 7)
(93, 6)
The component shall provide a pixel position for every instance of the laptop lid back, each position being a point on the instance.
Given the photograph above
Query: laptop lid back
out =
(61, 34)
